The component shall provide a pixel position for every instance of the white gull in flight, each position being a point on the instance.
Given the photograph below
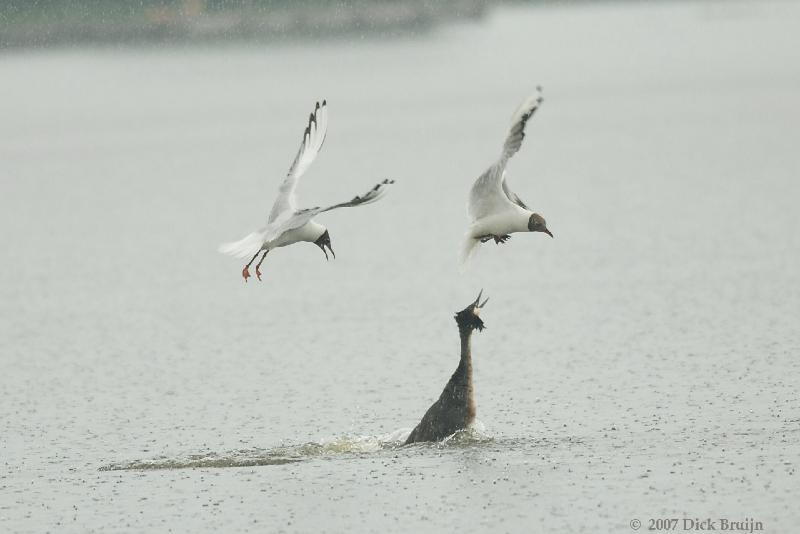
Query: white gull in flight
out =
(495, 210)
(287, 224)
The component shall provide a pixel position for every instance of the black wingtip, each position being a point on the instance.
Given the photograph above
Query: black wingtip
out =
(324, 102)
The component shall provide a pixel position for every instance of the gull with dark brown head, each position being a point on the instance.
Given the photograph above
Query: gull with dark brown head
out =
(495, 210)
(287, 224)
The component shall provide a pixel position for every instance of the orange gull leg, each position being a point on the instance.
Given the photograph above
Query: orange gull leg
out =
(246, 270)
(258, 271)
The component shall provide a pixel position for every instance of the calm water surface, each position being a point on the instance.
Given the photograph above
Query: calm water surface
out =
(642, 364)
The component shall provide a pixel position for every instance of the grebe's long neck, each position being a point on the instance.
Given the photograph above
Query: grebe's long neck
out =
(463, 374)
(466, 350)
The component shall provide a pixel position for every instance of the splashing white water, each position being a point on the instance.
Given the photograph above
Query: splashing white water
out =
(335, 447)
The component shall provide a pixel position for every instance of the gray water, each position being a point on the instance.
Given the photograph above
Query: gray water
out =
(642, 364)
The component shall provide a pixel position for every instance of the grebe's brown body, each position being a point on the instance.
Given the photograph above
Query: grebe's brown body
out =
(455, 409)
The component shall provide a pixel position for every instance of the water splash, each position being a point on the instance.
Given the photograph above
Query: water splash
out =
(344, 445)
(339, 447)
(471, 436)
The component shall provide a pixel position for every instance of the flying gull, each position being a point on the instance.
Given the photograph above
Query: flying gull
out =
(495, 210)
(287, 224)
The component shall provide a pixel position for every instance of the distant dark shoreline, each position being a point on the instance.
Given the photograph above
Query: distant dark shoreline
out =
(46, 24)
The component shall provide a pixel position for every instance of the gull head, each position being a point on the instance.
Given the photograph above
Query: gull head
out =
(467, 319)
(536, 223)
(325, 241)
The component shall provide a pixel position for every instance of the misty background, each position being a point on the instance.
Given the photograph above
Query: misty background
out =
(641, 364)
(54, 22)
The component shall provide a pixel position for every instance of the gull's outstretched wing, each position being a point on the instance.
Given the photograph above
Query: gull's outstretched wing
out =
(490, 192)
(512, 196)
(301, 217)
(313, 137)
(518, 122)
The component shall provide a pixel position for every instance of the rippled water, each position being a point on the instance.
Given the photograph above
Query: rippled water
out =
(642, 364)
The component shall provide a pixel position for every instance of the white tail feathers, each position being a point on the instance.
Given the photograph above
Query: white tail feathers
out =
(244, 248)
(469, 247)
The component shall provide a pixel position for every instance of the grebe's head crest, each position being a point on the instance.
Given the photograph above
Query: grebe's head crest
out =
(468, 319)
